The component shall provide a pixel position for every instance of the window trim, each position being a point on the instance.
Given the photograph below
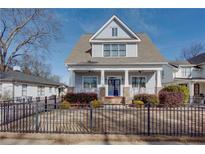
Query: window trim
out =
(184, 71)
(118, 51)
(22, 90)
(113, 31)
(42, 87)
(82, 84)
(138, 77)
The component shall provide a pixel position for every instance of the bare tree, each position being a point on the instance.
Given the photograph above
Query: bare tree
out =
(36, 66)
(25, 30)
(192, 51)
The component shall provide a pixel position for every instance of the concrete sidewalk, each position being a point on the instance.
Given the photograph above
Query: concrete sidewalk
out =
(94, 139)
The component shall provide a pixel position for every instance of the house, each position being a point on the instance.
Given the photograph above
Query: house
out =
(189, 72)
(15, 84)
(115, 61)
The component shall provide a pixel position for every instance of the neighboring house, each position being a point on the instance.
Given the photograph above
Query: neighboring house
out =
(190, 73)
(115, 61)
(14, 84)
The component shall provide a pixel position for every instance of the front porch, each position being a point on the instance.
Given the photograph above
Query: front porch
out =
(116, 82)
(196, 89)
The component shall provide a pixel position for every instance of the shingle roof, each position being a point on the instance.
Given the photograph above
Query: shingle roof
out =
(198, 59)
(21, 77)
(147, 53)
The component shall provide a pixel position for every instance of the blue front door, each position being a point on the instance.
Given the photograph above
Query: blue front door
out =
(113, 87)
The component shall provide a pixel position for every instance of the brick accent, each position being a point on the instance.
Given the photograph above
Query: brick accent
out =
(102, 93)
(126, 94)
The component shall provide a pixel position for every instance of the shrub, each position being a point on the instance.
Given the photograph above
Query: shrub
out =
(65, 105)
(138, 103)
(180, 89)
(147, 98)
(96, 104)
(170, 99)
(80, 97)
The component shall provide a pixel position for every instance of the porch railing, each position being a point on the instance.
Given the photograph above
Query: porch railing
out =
(135, 91)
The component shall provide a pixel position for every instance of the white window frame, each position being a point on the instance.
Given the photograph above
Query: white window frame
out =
(139, 77)
(50, 89)
(24, 91)
(114, 31)
(118, 51)
(83, 78)
(41, 91)
(184, 71)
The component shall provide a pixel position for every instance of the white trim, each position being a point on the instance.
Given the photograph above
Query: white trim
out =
(117, 51)
(82, 82)
(122, 24)
(114, 40)
(114, 69)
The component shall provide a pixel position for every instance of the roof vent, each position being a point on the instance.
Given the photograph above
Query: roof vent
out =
(17, 68)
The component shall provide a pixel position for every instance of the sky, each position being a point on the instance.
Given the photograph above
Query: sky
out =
(171, 30)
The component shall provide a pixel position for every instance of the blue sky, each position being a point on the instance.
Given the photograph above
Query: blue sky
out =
(170, 29)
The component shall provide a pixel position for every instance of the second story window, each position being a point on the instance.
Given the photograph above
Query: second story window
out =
(186, 72)
(114, 50)
(114, 31)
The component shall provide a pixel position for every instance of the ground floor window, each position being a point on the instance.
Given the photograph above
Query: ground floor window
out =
(1, 89)
(89, 82)
(41, 91)
(138, 82)
(196, 89)
(24, 90)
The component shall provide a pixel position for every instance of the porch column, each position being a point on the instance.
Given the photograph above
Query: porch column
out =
(102, 86)
(191, 89)
(126, 78)
(102, 78)
(158, 80)
(126, 88)
(72, 78)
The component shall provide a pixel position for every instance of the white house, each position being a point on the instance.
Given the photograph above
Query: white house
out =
(190, 73)
(14, 85)
(115, 61)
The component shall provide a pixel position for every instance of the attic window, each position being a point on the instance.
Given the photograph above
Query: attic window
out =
(114, 31)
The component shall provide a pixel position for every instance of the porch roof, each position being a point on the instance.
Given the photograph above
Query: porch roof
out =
(191, 79)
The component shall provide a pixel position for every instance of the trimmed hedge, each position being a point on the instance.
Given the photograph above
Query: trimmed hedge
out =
(80, 98)
(180, 89)
(170, 99)
(147, 98)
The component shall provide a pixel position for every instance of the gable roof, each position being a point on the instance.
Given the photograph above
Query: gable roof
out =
(198, 59)
(14, 76)
(147, 53)
(121, 23)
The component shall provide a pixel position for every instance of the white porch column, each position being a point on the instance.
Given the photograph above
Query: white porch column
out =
(159, 81)
(72, 78)
(191, 89)
(126, 78)
(102, 78)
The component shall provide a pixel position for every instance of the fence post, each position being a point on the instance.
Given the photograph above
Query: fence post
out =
(46, 105)
(55, 106)
(148, 120)
(37, 125)
(91, 119)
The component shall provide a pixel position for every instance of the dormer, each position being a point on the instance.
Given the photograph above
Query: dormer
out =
(114, 39)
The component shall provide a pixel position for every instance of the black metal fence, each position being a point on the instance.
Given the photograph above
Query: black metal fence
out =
(45, 116)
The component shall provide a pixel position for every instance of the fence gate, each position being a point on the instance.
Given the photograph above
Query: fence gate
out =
(44, 116)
